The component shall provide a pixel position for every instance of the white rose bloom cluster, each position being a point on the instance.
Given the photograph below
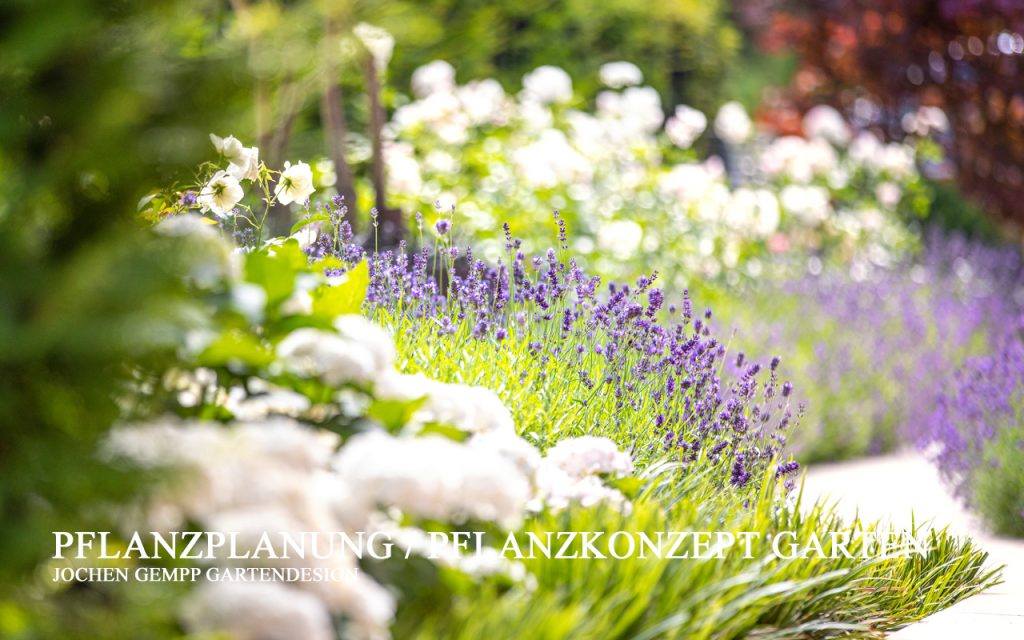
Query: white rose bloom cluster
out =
(622, 167)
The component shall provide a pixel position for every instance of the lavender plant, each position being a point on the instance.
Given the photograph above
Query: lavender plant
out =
(977, 434)
(574, 357)
(871, 350)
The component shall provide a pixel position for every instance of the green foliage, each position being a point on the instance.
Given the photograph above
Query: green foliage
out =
(86, 112)
(683, 46)
(998, 482)
(734, 596)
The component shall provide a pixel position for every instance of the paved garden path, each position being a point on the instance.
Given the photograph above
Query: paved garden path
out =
(892, 487)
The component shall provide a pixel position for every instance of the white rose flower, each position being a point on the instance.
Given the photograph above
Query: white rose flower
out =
(617, 75)
(295, 183)
(246, 165)
(685, 126)
(220, 194)
(229, 147)
(732, 124)
(548, 85)
(434, 77)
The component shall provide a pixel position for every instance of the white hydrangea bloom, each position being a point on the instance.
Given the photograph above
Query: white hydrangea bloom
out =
(618, 75)
(359, 353)
(557, 490)
(257, 611)
(732, 124)
(433, 77)
(637, 108)
(403, 171)
(374, 339)
(588, 455)
(434, 477)
(548, 84)
(484, 102)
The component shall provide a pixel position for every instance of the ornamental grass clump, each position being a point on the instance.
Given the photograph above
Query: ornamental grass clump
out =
(977, 434)
(573, 357)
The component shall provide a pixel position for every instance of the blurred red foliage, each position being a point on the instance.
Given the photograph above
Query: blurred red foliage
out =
(879, 59)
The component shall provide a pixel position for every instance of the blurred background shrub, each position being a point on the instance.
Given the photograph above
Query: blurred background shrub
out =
(95, 97)
(881, 59)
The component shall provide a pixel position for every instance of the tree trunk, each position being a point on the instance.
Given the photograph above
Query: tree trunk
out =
(392, 228)
(332, 117)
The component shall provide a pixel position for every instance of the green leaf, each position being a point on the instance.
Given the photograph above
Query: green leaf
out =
(344, 298)
(236, 347)
(630, 485)
(276, 271)
(305, 222)
(445, 430)
(394, 414)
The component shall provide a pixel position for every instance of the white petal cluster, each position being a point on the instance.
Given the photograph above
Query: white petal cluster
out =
(257, 610)
(269, 473)
(435, 77)
(590, 455)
